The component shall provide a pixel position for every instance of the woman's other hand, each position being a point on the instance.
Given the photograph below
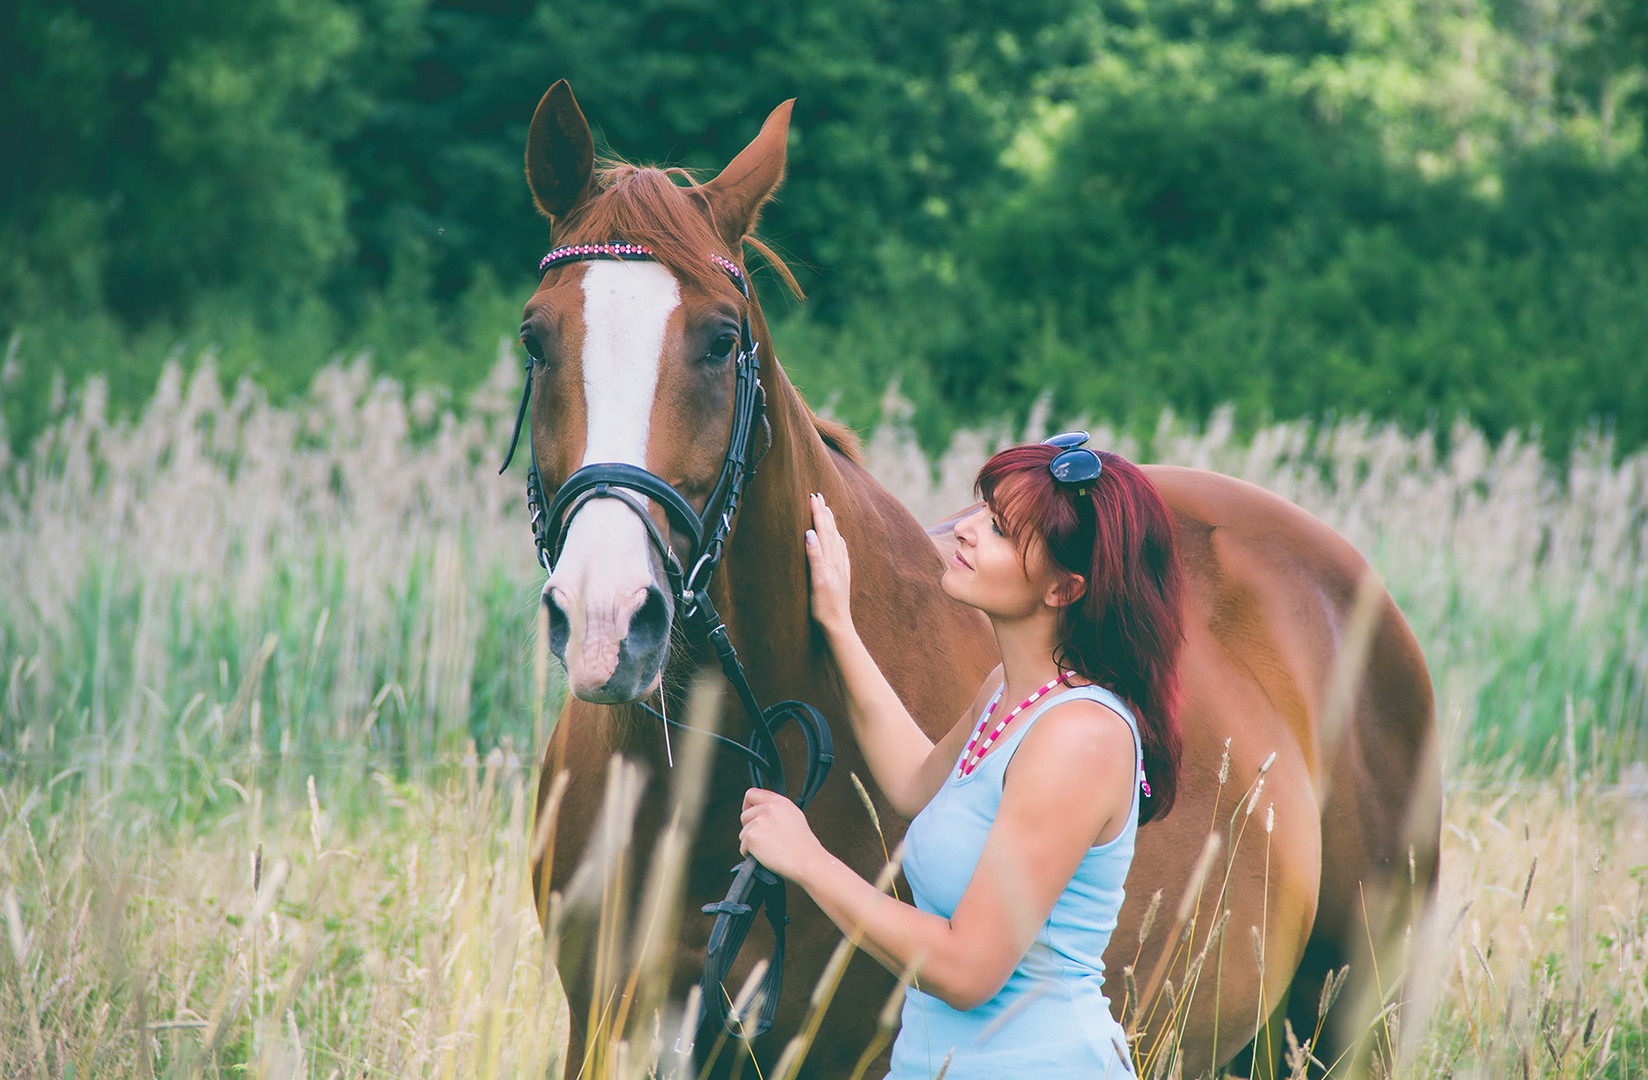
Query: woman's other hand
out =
(830, 570)
(776, 832)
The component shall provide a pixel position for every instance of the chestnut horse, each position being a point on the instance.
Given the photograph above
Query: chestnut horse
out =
(1308, 715)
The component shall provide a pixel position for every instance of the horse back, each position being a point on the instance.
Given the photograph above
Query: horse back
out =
(1294, 648)
(1279, 588)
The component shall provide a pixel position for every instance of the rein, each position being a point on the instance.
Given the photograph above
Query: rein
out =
(753, 886)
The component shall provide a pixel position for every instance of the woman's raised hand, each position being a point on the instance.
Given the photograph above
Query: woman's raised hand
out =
(830, 569)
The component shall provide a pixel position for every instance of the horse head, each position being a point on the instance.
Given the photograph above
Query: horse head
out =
(637, 334)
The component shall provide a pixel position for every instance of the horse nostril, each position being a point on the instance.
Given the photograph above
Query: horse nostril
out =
(559, 625)
(649, 626)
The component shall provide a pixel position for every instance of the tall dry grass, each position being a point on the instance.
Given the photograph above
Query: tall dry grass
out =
(1537, 964)
(219, 576)
(208, 607)
(353, 563)
(285, 940)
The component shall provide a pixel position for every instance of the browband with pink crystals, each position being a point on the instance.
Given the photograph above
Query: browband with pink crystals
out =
(582, 252)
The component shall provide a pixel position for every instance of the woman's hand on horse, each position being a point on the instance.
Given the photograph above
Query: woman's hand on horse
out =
(776, 832)
(830, 569)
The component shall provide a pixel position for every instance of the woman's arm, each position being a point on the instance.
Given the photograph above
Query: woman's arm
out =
(907, 766)
(1068, 787)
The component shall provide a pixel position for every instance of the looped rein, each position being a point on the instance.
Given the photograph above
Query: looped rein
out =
(754, 887)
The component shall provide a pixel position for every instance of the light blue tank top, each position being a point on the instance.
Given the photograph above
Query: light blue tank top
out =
(1052, 1019)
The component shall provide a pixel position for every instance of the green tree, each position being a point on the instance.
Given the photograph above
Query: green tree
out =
(176, 148)
(900, 114)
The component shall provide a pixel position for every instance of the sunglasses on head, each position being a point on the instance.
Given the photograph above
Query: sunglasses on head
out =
(1075, 465)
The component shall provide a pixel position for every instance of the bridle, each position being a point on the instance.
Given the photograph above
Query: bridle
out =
(707, 531)
(754, 886)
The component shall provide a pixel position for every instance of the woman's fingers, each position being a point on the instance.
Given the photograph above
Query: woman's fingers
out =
(755, 798)
(823, 540)
(828, 566)
(776, 832)
(829, 536)
(827, 516)
(823, 518)
(757, 801)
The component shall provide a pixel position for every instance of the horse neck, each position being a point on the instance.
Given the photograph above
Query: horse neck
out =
(762, 589)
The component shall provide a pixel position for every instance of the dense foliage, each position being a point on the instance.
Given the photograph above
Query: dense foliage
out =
(1415, 210)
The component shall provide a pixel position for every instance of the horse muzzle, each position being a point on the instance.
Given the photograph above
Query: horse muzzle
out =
(620, 655)
(609, 608)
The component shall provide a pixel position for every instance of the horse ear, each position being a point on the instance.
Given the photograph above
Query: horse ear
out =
(560, 155)
(735, 197)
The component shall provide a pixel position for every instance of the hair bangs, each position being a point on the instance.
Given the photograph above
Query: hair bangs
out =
(1021, 493)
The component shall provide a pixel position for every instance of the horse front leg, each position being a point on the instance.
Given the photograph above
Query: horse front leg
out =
(585, 817)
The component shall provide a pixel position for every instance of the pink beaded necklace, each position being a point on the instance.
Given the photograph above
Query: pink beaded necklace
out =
(982, 742)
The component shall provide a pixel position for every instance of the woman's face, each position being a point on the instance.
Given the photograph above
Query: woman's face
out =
(987, 572)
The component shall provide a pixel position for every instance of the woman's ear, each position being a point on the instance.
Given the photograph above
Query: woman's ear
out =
(1066, 589)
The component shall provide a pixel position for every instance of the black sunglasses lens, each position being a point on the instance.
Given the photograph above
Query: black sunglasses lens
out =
(1078, 466)
(1067, 440)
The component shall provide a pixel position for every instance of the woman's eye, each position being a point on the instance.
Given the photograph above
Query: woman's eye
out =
(995, 527)
(722, 347)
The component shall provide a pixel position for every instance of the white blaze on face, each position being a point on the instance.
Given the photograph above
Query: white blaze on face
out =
(605, 568)
(627, 306)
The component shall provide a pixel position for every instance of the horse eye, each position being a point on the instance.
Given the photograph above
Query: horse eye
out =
(722, 347)
(534, 348)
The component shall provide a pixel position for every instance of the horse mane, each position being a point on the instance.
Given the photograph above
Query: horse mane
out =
(660, 209)
(839, 437)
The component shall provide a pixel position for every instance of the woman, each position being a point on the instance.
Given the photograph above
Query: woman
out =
(1024, 817)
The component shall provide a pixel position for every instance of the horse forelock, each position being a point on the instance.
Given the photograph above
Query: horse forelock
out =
(645, 205)
(641, 205)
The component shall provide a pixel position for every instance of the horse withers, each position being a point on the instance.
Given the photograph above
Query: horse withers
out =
(1308, 717)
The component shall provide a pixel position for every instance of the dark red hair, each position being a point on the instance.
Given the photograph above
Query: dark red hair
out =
(1126, 630)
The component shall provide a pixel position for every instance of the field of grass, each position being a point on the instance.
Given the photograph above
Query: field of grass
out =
(270, 698)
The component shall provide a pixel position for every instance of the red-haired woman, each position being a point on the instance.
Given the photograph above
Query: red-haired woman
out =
(1025, 813)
